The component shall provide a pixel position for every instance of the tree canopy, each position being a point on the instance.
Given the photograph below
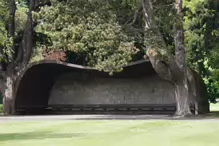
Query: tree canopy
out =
(109, 34)
(87, 27)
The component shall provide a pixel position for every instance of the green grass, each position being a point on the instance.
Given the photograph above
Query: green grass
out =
(1, 108)
(214, 107)
(110, 133)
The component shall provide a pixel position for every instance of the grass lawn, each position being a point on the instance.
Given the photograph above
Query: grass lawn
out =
(111, 133)
(1, 108)
(214, 107)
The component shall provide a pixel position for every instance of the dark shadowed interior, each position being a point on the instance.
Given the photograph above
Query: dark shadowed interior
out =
(35, 86)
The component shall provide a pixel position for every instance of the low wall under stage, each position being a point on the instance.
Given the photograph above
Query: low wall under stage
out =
(75, 88)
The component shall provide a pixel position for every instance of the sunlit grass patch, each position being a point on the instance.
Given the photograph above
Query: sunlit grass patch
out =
(110, 133)
(214, 107)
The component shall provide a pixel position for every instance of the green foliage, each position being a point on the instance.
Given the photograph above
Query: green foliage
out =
(212, 81)
(20, 21)
(1, 108)
(3, 11)
(165, 18)
(3, 19)
(1, 99)
(5, 41)
(98, 32)
(37, 55)
(23, 4)
(89, 27)
(201, 25)
(20, 17)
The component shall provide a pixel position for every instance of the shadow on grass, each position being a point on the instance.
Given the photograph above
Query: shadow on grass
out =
(214, 114)
(38, 135)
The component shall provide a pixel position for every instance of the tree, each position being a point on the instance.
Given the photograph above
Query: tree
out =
(86, 27)
(100, 32)
(174, 69)
(3, 32)
(201, 37)
(16, 58)
(104, 34)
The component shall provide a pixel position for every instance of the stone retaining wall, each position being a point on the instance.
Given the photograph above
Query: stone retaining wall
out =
(77, 88)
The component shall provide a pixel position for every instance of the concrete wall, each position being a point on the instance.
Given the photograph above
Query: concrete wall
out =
(77, 88)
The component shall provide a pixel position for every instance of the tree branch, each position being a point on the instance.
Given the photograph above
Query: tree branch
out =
(157, 43)
(11, 22)
(11, 29)
(2, 75)
(180, 52)
(27, 44)
(148, 13)
(136, 16)
(163, 6)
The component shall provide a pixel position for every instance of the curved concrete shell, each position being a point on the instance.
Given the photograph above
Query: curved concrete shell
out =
(51, 83)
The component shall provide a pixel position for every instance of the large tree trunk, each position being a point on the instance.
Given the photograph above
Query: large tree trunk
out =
(7, 87)
(189, 86)
(19, 62)
(176, 71)
(171, 73)
(182, 86)
(6, 74)
(182, 100)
